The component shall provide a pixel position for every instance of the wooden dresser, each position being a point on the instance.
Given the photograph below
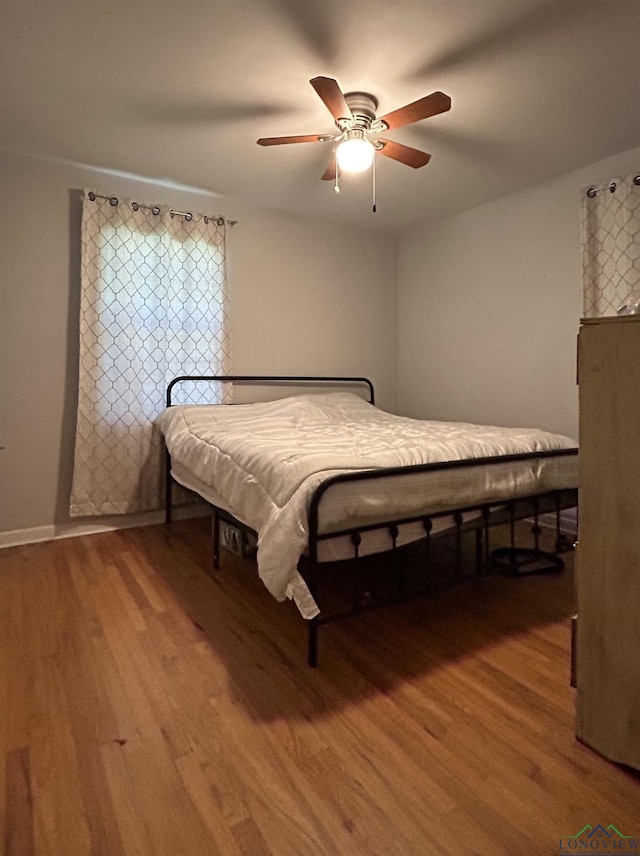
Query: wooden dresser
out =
(608, 557)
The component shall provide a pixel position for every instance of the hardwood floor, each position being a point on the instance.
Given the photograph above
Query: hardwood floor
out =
(150, 707)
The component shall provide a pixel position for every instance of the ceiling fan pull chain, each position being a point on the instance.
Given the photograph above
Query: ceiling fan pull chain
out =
(336, 186)
(373, 178)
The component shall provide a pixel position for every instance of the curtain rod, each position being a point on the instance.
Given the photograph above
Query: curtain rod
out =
(218, 219)
(611, 187)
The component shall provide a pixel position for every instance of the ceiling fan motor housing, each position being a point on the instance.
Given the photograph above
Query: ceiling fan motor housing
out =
(363, 106)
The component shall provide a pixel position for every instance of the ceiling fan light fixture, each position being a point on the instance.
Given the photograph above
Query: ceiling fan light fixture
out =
(355, 154)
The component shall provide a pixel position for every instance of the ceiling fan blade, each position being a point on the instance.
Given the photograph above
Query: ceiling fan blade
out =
(423, 108)
(282, 141)
(404, 154)
(328, 89)
(330, 172)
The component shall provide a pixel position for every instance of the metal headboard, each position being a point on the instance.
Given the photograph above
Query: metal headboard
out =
(257, 380)
(274, 380)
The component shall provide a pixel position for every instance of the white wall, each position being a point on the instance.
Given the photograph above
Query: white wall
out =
(489, 305)
(311, 299)
(305, 298)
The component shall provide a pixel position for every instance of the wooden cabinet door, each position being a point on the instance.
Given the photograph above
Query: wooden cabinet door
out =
(608, 566)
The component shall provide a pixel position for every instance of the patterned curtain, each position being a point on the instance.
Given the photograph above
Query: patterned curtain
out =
(153, 306)
(610, 245)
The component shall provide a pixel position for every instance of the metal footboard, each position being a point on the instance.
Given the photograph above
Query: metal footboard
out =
(491, 514)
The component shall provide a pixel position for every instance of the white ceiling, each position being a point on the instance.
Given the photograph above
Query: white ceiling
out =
(179, 91)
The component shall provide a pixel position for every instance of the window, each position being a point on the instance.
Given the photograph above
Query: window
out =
(153, 306)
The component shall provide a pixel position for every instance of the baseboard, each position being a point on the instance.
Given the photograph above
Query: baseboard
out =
(108, 523)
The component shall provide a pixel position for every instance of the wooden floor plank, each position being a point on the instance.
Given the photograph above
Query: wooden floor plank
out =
(18, 838)
(151, 705)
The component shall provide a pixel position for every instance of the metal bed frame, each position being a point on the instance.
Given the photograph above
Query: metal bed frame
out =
(513, 560)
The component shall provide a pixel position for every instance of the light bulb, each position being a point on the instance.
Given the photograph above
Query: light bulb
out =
(355, 155)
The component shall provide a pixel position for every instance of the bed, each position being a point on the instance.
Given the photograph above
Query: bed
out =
(324, 475)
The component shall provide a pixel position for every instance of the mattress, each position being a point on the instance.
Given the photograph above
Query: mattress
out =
(262, 462)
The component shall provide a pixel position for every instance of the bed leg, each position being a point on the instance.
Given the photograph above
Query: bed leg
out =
(215, 537)
(312, 656)
(536, 528)
(459, 569)
(483, 550)
(479, 551)
(168, 488)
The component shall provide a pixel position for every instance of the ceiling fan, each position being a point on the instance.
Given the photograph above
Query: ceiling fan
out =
(355, 116)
